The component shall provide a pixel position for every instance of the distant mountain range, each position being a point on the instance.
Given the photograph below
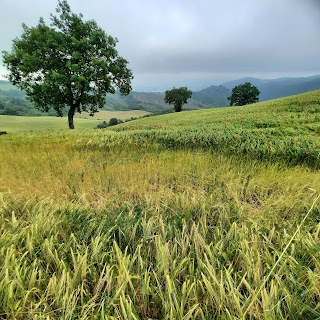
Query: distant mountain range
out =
(277, 88)
(214, 96)
(12, 100)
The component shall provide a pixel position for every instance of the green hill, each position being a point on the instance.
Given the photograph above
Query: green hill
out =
(286, 128)
(13, 101)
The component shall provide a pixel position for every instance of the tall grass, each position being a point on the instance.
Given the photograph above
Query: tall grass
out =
(137, 225)
(285, 129)
(137, 263)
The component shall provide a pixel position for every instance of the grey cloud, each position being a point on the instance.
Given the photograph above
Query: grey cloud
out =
(190, 40)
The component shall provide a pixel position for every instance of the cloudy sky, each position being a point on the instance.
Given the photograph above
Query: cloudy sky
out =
(193, 42)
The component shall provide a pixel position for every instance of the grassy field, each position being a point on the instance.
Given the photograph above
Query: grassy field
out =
(12, 124)
(285, 129)
(107, 115)
(23, 124)
(163, 218)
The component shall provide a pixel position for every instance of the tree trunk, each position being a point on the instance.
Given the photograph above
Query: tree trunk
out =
(70, 116)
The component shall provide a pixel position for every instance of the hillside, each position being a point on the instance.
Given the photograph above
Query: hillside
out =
(286, 129)
(214, 96)
(13, 101)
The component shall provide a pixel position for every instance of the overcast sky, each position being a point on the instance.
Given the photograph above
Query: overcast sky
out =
(193, 42)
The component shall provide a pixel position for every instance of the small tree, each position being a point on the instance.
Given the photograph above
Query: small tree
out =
(114, 122)
(244, 94)
(178, 97)
(71, 63)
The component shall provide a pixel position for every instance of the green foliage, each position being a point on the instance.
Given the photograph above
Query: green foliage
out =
(13, 102)
(112, 122)
(244, 94)
(71, 63)
(178, 97)
(103, 125)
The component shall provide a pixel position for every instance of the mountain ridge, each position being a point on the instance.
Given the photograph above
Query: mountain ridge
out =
(14, 102)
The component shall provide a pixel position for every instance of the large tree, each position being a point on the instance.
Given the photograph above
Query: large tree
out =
(244, 94)
(178, 97)
(71, 63)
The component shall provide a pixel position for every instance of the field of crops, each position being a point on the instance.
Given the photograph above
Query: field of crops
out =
(211, 214)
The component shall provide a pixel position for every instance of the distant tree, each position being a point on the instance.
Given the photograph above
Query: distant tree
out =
(103, 125)
(178, 97)
(71, 63)
(244, 94)
(113, 122)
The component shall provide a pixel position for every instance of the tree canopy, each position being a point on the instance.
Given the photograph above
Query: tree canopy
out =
(244, 94)
(71, 63)
(178, 97)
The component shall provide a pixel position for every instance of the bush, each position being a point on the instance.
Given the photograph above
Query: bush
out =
(112, 122)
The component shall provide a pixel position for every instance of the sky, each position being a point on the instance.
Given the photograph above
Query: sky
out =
(194, 43)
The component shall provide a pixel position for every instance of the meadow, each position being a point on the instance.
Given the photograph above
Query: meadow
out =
(209, 214)
(13, 124)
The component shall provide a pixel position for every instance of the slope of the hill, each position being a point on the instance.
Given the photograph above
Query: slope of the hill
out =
(286, 128)
(13, 101)
(214, 96)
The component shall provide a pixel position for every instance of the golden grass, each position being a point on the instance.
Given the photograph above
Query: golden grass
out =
(59, 170)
